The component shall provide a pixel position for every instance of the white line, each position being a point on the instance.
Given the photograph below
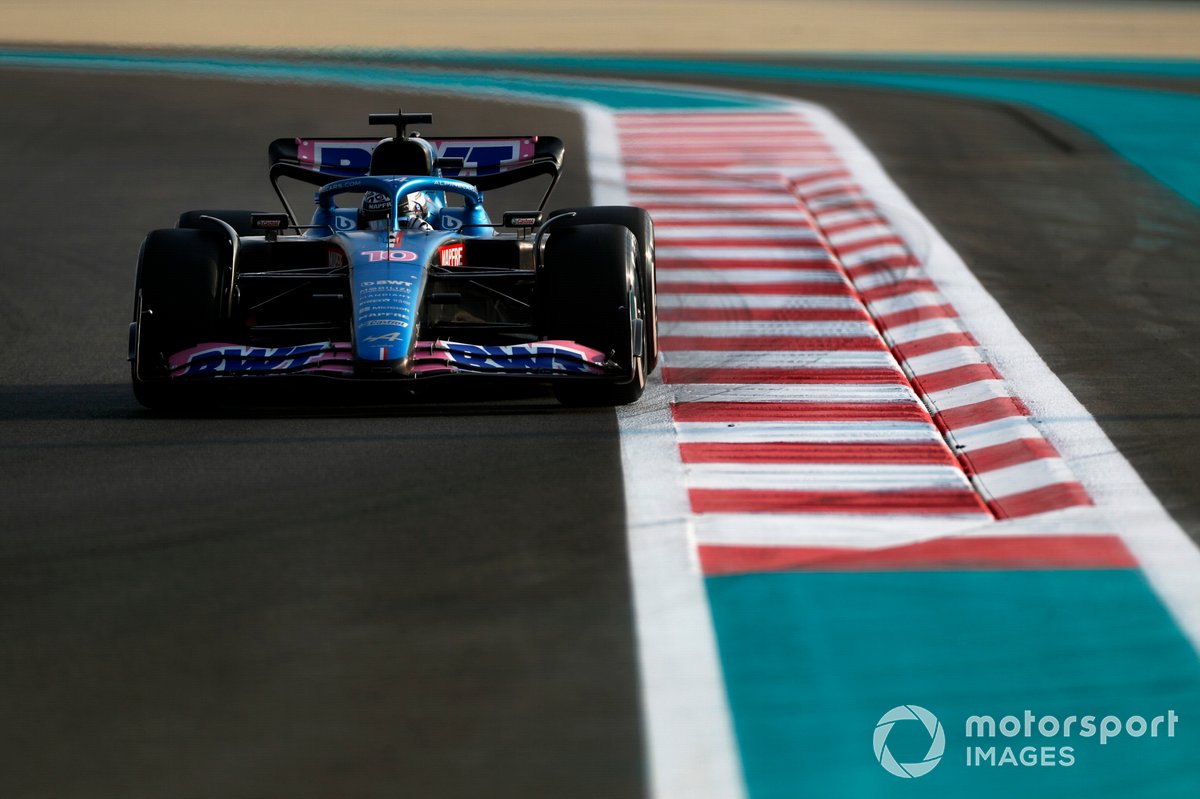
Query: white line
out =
(690, 748)
(905, 302)
(840, 217)
(703, 147)
(652, 169)
(989, 434)
(776, 138)
(708, 181)
(780, 200)
(604, 164)
(806, 432)
(665, 218)
(889, 277)
(670, 233)
(915, 331)
(775, 301)
(739, 276)
(671, 119)
(781, 253)
(783, 130)
(1023, 477)
(712, 132)
(755, 163)
(825, 477)
(831, 392)
(812, 186)
(779, 359)
(716, 183)
(741, 329)
(967, 394)
(866, 255)
(873, 531)
(872, 229)
(942, 360)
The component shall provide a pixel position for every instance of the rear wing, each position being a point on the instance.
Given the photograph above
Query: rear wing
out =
(487, 162)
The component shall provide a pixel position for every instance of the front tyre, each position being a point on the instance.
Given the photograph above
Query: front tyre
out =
(177, 304)
(639, 223)
(589, 292)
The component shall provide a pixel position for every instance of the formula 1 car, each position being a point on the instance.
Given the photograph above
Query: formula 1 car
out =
(565, 298)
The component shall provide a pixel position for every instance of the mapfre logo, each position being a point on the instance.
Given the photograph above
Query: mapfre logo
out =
(902, 715)
(451, 255)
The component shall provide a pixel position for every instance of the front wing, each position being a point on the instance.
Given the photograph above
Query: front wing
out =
(430, 358)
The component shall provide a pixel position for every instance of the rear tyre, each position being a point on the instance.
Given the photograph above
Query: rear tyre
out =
(639, 223)
(238, 220)
(177, 304)
(589, 292)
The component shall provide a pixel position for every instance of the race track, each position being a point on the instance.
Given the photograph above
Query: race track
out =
(294, 603)
(417, 600)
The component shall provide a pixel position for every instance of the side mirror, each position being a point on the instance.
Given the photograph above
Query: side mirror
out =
(525, 220)
(269, 224)
(450, 163)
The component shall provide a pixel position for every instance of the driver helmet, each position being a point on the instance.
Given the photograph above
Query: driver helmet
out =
(375, 211)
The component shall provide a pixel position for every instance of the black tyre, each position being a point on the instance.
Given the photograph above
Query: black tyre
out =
(238, 220)
(588, 291)
(177, 304)
(638, 222)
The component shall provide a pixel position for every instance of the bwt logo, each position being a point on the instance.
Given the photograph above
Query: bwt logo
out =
(345, 158)
(485, 160)
(937, 741)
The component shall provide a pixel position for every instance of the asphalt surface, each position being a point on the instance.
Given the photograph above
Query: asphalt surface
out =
(424, 600)
(298, 603)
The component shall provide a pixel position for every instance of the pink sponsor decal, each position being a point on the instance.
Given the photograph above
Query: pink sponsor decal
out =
(213, 358)
(309, 150)
(401, 256)
(542, 356)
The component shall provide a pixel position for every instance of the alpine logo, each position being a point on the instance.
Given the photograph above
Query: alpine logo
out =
(389, 337)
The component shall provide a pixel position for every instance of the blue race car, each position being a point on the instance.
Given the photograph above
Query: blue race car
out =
(408, 284)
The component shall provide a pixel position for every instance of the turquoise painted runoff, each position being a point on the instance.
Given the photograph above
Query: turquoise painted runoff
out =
(813, 660)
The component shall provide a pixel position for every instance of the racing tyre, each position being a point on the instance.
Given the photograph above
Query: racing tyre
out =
(177, 304)
(238, 220)
(638, 222)
(589, 291)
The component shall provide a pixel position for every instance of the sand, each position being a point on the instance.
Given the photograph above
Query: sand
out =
(1166, 29)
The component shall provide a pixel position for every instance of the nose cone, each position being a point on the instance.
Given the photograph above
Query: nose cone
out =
(392, 367)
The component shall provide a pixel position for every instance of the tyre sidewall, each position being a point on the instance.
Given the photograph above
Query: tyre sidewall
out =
(638, 222)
